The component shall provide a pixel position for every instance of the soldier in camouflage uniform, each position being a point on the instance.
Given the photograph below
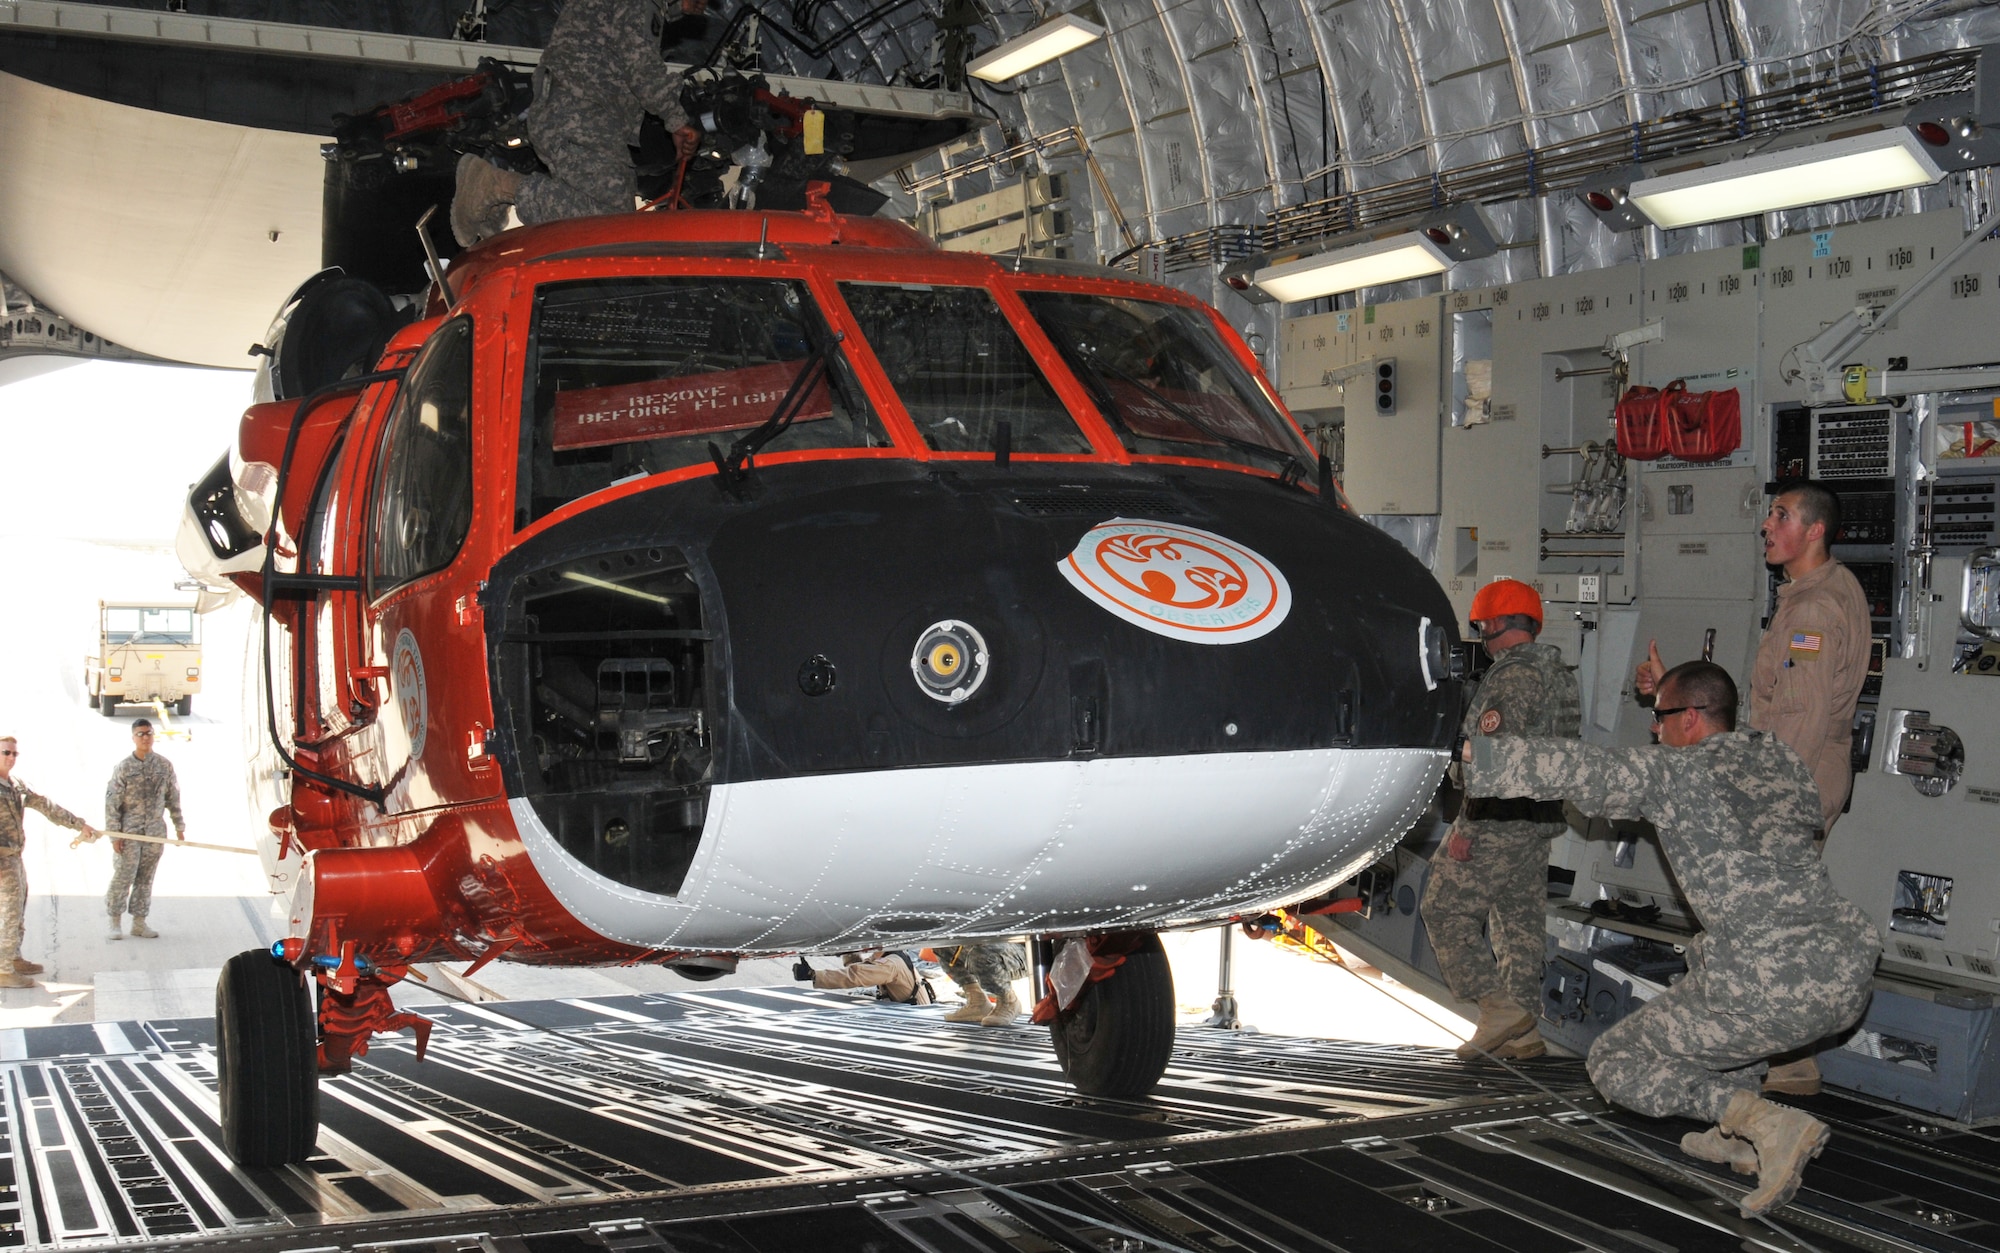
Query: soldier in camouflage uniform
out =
(599, 76)
(985, 973)
(1490, 883)
(16, 798)
(1782, 960)
(141, 786)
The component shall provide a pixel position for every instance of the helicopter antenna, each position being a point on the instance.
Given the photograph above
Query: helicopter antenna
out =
(431, 258)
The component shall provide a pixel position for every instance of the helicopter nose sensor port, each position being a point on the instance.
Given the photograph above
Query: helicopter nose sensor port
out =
(950, 661)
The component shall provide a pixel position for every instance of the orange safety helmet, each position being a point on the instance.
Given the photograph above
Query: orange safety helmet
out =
(1502, 597)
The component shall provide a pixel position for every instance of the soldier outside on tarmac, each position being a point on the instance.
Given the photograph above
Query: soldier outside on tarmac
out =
(141, 786)
(598, 78)
(1493, 875)
(985, 973)
(16, 798)
(1782, 959)
(1810, 666)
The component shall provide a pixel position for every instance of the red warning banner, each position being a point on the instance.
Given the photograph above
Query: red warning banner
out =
(1150, 415)
(695, 404)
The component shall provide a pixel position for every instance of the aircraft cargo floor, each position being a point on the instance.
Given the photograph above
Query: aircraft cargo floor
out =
(779, 1119)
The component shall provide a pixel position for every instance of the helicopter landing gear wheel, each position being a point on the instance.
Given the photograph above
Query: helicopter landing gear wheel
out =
(1115, 1039)
(267, 1061)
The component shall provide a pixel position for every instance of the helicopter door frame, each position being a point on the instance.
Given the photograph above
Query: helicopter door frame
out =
(418, 611)
(344, 695)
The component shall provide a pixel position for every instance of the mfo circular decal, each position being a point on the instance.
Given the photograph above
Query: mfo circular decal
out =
(1178, 581)
(406, 678)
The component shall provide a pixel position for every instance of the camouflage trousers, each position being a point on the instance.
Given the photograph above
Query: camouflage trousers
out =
(992, 966)
(1486, 916)
(132, 865)
(589, 174)
(1692, 1047)
(13, 908)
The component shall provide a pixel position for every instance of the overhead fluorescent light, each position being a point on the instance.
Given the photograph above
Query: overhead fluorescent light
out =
(1045, 43)
(1372, 263)
(1840, 169)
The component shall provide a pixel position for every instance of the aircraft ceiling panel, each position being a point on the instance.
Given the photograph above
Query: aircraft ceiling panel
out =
(173, 236)
(1220, 113)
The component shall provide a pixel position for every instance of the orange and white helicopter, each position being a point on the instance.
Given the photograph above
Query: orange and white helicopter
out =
(676, 587)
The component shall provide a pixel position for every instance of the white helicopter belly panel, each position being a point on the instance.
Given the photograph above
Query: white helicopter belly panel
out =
(898, 858)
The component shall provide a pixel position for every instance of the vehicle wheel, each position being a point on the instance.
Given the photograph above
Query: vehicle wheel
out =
(1116, 1038)
(185, 705)
(267, 1061)
(107, 704)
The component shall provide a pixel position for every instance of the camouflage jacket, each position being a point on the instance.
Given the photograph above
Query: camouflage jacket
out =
(1528, 691)
(1736, 814)
(602, 68)
(138, 791)
(16, 798)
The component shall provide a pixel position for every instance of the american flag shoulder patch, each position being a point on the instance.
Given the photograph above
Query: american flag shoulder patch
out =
(1805, 642)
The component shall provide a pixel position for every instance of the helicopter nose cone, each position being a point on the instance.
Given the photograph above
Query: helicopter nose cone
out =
(1007, 623)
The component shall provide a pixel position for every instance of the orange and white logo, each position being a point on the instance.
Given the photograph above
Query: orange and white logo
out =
(1177, 581)
(413, 700)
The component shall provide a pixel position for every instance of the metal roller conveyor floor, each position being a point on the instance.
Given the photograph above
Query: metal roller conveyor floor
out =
(775, 1119)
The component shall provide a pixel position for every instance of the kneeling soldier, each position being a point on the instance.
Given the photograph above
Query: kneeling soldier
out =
(1783, 959)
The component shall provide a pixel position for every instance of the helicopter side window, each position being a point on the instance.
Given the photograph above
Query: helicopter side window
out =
(1162, 376)
(632, 377)
(960, 369)
(423, 477)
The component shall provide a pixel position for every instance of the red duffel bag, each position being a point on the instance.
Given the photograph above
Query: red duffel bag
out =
(1704, 426)
(1642, 421)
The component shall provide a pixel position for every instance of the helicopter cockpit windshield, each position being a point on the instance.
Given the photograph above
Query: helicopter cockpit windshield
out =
(960, 369)
(1161, 375)
(631, 377)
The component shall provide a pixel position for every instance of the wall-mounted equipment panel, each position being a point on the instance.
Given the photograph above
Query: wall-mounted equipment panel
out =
(1811, 279)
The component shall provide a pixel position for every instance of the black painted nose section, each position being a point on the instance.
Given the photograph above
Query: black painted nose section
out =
(910, 619)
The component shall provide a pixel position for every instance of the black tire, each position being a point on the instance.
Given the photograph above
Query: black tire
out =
(267, 1061)
(1118, 1036)
(107, 704)
(185, 705)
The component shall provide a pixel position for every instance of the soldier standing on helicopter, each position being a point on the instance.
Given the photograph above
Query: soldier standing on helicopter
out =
(599, 76)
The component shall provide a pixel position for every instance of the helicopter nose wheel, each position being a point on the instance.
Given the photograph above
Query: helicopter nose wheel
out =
(1116, 1038)
(267, 1061)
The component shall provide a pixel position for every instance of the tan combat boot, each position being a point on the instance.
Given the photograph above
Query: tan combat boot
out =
(1714, 1145)
(14, 979)
(1785, 1139)
(1799, 1078)
(1528, 1044)
(1004, 1011)
(977, 1006)
(117, 927)
(22, 966)
(1500, 1020)
(140, 929)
